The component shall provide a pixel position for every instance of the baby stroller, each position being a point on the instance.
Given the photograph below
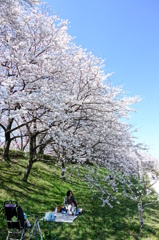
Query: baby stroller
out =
(14, 217)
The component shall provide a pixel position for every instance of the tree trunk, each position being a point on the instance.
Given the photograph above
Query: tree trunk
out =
(6, 149)
(25, 145)
(27, 172)
(140, 215)
(34, 138)
(41, 150)
(63, 170)
(7, 140)
(31, 158)
(140, 209)
(87, 161)
(42, 146)
(21, 143)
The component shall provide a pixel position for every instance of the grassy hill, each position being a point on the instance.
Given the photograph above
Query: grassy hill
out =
(45, 190)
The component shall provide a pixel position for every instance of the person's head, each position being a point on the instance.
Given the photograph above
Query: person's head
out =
(69, 193)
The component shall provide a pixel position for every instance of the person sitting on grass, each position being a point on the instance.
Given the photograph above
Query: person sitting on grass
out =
(72, 208)
(67, 203)
(69, 198)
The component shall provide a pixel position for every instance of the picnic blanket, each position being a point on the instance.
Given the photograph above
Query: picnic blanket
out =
(59, 217)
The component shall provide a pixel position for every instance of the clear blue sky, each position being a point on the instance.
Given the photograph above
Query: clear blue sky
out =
(126, 34)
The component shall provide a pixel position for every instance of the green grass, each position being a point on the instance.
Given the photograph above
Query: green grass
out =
(45, 190)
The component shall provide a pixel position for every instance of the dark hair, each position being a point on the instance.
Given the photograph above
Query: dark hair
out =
(68, 193)
(74, 203)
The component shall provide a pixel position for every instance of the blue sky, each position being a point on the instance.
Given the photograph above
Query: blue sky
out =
(126, 34)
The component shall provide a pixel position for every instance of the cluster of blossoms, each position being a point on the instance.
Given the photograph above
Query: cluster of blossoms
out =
(54, 97)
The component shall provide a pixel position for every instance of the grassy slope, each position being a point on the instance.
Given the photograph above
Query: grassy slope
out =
(45, 190)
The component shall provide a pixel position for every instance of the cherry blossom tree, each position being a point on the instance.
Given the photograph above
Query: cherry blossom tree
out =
(25, 63)
(55, 95)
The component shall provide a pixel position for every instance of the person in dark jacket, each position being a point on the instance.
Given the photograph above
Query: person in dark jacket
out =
(69, 199)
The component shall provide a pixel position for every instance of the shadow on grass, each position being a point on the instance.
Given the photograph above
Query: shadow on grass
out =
(45, 190)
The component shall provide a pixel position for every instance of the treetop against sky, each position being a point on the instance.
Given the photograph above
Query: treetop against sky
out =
(125, 34)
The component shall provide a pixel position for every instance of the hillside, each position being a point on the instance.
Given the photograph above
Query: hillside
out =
(45, 190)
